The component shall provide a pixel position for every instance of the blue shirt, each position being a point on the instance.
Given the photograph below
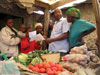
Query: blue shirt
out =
(76, 29)
(59, 28)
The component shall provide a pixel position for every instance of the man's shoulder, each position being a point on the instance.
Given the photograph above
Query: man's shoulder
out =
(64, 21)
(4, 28)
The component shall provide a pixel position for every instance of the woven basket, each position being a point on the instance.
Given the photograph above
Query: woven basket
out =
(55, 58)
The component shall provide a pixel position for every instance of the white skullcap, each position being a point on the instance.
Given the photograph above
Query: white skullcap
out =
(38, 24)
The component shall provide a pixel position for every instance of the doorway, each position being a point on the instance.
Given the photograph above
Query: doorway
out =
(17, 20)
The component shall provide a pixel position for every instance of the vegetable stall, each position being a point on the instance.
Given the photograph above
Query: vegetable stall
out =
(79, 61)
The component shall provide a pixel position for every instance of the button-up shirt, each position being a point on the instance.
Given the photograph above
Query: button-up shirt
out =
(61, 26)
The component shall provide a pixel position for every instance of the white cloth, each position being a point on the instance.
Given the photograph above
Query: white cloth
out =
(59, 28)
(8, 44)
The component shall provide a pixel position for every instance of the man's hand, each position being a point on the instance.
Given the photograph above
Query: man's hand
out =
(79, 39)
(49, 40)
(45, 36)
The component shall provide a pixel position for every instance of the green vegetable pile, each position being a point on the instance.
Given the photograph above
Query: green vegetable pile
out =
(31, 57)
(22, 58)
(36, 60)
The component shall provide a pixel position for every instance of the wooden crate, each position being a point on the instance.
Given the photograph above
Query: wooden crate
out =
(55, 58)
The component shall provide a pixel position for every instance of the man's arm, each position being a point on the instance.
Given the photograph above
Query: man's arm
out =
(61, 37)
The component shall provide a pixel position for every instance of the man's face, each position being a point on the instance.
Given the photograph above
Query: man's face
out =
(39, 29)
(57, 14)
(10, 22)
(23, 28)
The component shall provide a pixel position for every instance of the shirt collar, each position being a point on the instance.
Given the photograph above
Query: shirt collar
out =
(8, 27)
(59, 20)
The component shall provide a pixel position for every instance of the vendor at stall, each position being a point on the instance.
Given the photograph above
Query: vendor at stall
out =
(27, 45)
(79, 27)
(9, 39)
(57, 40)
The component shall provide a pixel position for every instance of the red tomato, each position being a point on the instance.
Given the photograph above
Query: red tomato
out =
(37, 69)
(44, 59)
(44, 63)
(54, 68)
(36, 65)
(59, 67)
(30, 66)
(50, 73)
(40, 65)
(47, 65)
(42, 70)
(33, 69)
(48, 69)
(55, 72)
(51, 64)
(56, 65)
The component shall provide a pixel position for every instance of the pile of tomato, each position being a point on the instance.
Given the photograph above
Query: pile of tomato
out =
(49, 68)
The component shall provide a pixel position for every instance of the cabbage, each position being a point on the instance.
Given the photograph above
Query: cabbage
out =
(22, 58)
(36, 60)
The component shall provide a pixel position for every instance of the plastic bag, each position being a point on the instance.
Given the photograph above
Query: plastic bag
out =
(8, 68)
(79, 50)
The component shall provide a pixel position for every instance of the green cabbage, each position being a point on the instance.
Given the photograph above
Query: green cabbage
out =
(22, 58)
(36, 60)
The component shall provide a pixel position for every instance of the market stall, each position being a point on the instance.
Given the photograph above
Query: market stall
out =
(79, 61)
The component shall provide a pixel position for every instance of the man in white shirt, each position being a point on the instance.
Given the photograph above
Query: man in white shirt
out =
(57, 40)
